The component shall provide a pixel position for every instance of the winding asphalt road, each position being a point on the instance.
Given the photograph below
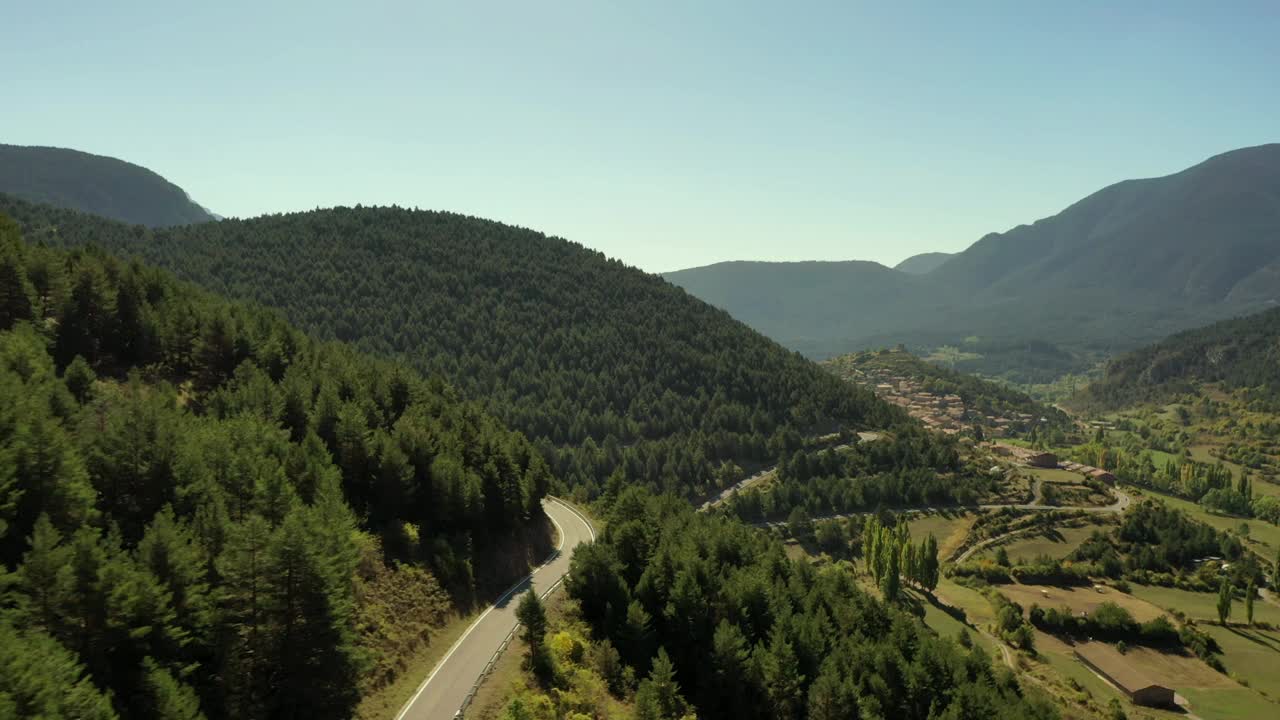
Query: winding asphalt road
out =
(445, 690)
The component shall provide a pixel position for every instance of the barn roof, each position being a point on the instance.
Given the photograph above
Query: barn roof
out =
(1120, 669)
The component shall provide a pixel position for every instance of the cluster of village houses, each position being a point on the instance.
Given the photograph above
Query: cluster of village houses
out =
(1037, 458)
(946, 413)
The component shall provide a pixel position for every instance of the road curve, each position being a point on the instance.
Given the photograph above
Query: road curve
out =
(446, 688)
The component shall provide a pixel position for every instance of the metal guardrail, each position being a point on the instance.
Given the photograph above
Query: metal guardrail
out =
(493, 660)
(506, 642)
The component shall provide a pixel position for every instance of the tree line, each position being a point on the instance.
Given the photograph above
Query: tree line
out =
(890, 557)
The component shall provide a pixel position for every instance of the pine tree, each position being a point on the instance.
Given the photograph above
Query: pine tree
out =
(780, 672)
(45, 578)
(729, 657)
(314, 665)
(79, 378)
(246, 604)
(533, 618)
(45, 679)
(17, 297)
(167, 698)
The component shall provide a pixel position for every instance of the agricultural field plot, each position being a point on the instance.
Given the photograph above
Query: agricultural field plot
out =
(1238, 703)
(1075, 496)
(1203, 606)
(977, 607)
(1056, 475)
(1082, 599)
(1251, 654)
(947, 626)
(1058, 656)
(1212, 694)
(1204, 453)
(1013, 488)
(1057, 545)
(948, 528)
(1180, 671)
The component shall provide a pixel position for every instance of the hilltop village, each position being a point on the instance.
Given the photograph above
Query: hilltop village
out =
(936, 406)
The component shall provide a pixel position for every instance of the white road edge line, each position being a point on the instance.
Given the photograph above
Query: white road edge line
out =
(528, 578)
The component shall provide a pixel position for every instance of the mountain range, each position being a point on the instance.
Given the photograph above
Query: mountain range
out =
(96, 184)
(1124, 266)
(923, 263)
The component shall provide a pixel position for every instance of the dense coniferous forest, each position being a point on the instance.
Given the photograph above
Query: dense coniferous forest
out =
(911, 468)
(617, 376)
(195, 497)
(1238, 353)
(715, 615)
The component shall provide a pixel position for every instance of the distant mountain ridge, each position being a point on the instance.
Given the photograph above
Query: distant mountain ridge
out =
(96, 184)
(1126, 265)
(923, 263)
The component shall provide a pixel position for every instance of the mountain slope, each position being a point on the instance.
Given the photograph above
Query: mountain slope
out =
(923, 263)
(205, 513)
(811, 306)
(95, 184)
(618, 376)
(1126, 265)
(1238, 353)
(1195, 236)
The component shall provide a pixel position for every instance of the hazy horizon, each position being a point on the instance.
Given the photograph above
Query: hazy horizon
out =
(665, 136)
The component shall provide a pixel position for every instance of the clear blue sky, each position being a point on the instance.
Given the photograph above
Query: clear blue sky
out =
(666, 134)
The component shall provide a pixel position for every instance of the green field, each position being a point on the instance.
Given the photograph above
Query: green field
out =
(1234, 704)
(948, 528)
(946, 626)
(1057, 546)
(1203, 606)
(1250, 654)
(1051, 475)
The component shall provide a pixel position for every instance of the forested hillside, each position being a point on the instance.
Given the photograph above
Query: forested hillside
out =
(204, 513)
(95, 184)
(719, 620)
(1239, 353)
(616, 375)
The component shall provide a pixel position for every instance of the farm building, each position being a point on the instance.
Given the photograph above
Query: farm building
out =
(1042, 460)
(1104, 476)
(1034, 458)
(1116, 669)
